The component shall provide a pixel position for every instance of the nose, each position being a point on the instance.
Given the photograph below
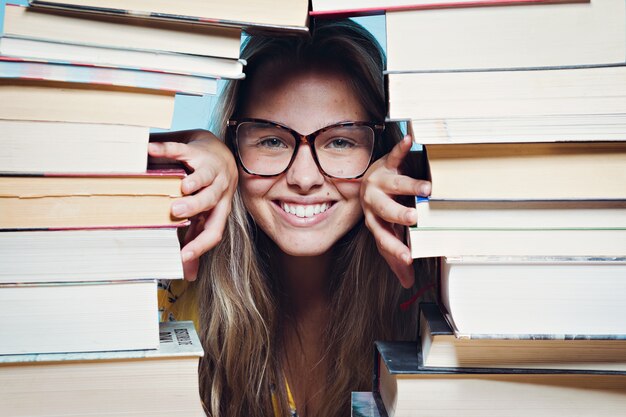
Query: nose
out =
(304, 172)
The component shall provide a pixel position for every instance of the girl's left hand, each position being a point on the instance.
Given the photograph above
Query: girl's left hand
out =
(384, 216)
(208, 189)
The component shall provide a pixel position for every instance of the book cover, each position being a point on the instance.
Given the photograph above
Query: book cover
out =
(442, 348)
(289, 15)
(346, 8)
(406, 388)
(66, 71)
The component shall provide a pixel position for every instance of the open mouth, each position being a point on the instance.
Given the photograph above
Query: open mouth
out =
(305, 210)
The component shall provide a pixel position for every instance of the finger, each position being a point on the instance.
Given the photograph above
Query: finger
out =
(389, 244)
(395, 184)
(200, 178)
(170, 150)
(210, 236)
(381, 205)
(398, 153)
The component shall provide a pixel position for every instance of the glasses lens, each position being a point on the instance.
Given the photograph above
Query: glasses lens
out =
(345, 151)
(264, 149)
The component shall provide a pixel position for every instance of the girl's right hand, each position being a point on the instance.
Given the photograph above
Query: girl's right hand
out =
(208, 190)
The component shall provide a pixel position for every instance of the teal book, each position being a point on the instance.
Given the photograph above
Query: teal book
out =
(141, 383)
(364, 405)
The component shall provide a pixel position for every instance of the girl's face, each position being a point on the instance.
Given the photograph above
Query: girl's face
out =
(325, 208)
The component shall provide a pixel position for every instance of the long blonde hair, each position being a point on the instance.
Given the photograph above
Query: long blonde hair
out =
(241, 314)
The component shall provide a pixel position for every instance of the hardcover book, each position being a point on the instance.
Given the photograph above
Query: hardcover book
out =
(284, 15)
(441, 348)
(40, 256)
(539, 295)
(78, 317)
(407, 389)
(89, 201)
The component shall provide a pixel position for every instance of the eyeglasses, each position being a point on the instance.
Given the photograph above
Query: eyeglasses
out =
(342, 150)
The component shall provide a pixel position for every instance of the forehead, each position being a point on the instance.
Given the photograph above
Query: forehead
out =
(303, 100)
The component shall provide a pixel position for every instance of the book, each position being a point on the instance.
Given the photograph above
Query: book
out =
(89, 255)
(406, 389)
(488, 38)
(440, 347)
(288, 15)
(78, 317)
(31, 146)
(505, 94)
(363, 404)
(85, 103)
(547, 128)
(345, 8)
(170, 62)
(426, 243)
(533, 214)
(540, 295)
(75, 201)
(157, 383)
(33, 69)
(528, 171)
(120, 31)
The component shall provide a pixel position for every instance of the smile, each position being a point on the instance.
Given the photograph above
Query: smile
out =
(304, 210)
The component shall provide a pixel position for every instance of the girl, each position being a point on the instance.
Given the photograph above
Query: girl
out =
(294, 295)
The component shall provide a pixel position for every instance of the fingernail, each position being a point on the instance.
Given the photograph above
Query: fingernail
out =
(189, 185)
(425, 189)
(179, 209)
(410, 216)
(187, 255)
(153, 147)
(406, 258)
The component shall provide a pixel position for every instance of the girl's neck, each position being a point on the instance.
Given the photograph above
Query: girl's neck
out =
(305, 281)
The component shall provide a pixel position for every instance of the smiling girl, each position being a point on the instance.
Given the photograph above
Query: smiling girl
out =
(296, 292)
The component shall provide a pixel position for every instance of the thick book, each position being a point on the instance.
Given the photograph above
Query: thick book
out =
(344, 8)
(541, 295)
(528, 171)
(117, 57)
(158, 383)
(31, 146)
(85, 103)
(91, 200)
(436, 214)
(89, 255)
(121, 32)
(284, 15)
(78, 317)
(547, 128)
(406, 389)
(442, 348)
(504, 94)
(426, 243)
(66, 71)
(488, 38)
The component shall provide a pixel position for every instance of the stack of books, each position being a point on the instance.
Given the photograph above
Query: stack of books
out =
(85, 225)
(521, 111)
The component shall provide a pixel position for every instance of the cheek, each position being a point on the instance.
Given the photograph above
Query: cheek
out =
(350, 191)
(253, 190)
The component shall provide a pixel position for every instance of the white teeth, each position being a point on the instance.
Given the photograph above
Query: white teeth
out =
(305, 210)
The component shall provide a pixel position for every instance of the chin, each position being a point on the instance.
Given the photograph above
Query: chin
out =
(304, 250)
